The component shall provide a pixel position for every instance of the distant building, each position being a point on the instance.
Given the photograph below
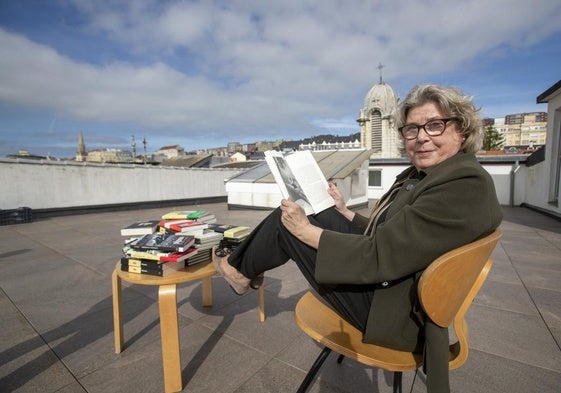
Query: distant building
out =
(238, 157)
(233, 147)
(330, 145)
(168, 152)
(28, 156)
(110, 156)
(249, 147)
(81, 153)
(376, 119)
(527, 130)
(264, 146)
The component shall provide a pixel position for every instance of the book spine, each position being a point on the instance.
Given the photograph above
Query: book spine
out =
(141, 270)
(146, 264)
(143, 255)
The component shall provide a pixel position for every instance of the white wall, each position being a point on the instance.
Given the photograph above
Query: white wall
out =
(541, 177)
(48, 185)
(501, 174)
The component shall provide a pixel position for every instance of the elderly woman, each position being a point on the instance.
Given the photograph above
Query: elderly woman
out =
(367, 268)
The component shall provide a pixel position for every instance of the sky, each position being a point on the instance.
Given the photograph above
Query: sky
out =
(201, 74)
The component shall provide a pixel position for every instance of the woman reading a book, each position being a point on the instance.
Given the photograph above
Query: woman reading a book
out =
(367, 268)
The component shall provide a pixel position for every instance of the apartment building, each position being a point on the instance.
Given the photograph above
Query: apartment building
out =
(523, 129)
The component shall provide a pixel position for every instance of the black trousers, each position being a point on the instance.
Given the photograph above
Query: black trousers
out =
(270, 245)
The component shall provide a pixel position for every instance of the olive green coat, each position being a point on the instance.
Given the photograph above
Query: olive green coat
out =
(455, 203)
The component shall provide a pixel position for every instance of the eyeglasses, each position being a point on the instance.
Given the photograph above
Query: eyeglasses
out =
(432, 127)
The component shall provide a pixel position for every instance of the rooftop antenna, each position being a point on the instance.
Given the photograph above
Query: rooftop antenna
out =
(133, 144)
(144, 143)
(380, 66)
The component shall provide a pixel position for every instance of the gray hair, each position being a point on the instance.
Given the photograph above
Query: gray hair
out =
(453, 103)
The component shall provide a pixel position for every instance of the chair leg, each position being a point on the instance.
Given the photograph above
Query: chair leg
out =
(340, 359)
(397, 379)
(313, 371)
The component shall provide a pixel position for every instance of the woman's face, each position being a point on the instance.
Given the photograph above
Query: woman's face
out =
(426, 151)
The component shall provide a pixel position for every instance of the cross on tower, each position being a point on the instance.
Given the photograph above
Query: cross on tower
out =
(380, 66)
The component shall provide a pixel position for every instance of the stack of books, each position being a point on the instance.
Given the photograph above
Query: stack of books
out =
(232, 235)
(178, 239)
(157, 253)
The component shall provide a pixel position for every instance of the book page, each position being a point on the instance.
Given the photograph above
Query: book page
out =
(300, 179)
(311, 179)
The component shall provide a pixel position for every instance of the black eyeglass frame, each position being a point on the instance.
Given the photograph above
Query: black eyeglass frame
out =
(431, 133)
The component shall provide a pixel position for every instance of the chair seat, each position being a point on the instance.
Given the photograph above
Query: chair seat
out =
(326, 327)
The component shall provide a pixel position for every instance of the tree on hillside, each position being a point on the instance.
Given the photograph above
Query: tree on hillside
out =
(493, 140)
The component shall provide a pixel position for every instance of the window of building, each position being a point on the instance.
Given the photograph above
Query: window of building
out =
(375, 178)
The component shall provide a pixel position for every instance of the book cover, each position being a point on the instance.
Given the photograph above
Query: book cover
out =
(176, 257)
(140, 228)
(152, 255)
(146, 263)
(220, 228)
(177, 243)
(153, 272)
(167, 223)
(184, 214)
(300, 179)
(189, 226)
(163, 242)
(237, 232)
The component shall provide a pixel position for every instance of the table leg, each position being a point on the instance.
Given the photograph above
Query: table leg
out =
(167, 299)
(206, 285)
(117, 315)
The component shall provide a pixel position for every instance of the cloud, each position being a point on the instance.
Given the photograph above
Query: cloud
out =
(253, 67)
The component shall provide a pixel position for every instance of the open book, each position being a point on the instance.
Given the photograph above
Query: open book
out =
(300, 179)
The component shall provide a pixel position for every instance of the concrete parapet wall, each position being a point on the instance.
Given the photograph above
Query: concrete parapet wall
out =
(60, 184)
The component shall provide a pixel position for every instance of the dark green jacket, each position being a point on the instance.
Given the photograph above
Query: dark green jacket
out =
(454, 204)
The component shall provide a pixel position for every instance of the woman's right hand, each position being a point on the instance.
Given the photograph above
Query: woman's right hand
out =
(337, 197)
(340, 204)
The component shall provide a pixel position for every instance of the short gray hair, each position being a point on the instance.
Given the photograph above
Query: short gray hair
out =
(453, 103)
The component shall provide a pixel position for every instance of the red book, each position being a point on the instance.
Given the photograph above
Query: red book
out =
(188, 226)
(179, 256)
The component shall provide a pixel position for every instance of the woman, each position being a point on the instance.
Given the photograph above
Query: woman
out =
(367, 267)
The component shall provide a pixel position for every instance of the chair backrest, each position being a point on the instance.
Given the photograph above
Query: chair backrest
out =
(448, 286)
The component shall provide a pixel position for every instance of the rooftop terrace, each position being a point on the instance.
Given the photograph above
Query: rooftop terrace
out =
(56, 329)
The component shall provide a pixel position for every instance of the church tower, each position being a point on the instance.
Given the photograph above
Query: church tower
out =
(81, 153)
(376, 119)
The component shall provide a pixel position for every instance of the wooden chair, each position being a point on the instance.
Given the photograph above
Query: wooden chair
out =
(444, 298)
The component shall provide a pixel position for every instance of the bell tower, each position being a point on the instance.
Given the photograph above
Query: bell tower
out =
(376, 120)
(81, 153)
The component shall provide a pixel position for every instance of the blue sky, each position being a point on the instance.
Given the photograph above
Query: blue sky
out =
(203, 73)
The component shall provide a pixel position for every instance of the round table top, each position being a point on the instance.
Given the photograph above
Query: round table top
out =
(189, 273)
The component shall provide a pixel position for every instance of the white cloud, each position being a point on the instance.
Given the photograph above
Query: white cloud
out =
(250, 66)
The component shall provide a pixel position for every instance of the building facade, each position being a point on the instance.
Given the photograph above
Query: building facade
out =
(167, 152)
(110, 155)
(523, 129)
(377, 126)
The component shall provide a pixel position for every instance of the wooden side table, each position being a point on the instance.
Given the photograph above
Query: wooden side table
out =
(167, 300)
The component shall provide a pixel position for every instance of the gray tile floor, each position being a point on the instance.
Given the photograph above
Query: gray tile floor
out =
(56, 318)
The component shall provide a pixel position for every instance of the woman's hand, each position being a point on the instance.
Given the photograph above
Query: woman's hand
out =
(295, 220)
(340, 204)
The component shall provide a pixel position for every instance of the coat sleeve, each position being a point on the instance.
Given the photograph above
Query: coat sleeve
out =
(424, 222)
